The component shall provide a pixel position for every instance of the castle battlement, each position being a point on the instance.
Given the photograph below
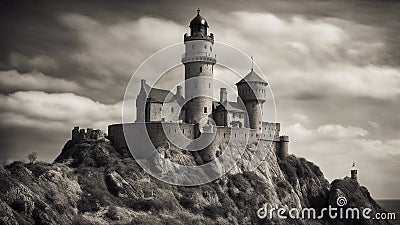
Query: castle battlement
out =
(88, 134)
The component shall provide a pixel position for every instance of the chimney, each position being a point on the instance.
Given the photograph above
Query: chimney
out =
(143, 82)
(223, 95)
(179, 91)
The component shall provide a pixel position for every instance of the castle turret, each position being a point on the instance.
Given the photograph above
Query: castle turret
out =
(353, 172)
(283, 149)
(199, 62)
(252, 90)
(75, 134)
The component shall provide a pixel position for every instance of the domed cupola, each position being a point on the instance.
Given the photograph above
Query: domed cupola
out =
(198, 26)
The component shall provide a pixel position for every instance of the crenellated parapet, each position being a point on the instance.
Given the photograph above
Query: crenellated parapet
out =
(88, 134)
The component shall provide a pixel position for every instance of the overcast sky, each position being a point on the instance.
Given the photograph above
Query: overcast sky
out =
(333, 66)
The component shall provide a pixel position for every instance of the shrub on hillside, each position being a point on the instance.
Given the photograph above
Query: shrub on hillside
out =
(213, 211)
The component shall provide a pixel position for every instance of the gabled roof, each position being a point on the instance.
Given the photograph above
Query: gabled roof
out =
(157, 95)
(251, 77)
(230, 107)
(162, 96)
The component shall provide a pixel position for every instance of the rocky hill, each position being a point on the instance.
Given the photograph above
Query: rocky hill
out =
(92, 183)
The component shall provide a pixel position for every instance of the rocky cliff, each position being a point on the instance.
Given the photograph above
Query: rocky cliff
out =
(91, 183)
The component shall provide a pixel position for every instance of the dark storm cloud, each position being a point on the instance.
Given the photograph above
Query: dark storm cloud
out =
(29, 31)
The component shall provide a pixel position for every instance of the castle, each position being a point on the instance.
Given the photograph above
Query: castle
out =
(195, 113)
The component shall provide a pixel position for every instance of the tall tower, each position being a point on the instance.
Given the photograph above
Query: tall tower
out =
(353, 172)
(199, 61)
(252, 89)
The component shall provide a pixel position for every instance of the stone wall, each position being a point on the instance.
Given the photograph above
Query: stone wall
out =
(89, 133)
(159, 131)
(153, 111)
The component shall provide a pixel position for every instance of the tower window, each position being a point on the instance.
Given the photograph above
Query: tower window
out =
(172, 109)
(209, 85)
(205, 46)
(205, 109)
(192, 46)
(201, 69)
(210, 48)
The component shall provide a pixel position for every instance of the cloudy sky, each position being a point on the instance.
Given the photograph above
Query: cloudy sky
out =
(333, 66)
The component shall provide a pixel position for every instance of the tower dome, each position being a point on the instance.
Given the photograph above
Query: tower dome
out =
(198, 25)
(198, 20)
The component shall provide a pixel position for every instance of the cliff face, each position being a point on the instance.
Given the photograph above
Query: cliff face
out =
(91, 183)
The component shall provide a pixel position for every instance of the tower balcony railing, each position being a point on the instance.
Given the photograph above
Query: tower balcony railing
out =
(199, 57)
(210, 37)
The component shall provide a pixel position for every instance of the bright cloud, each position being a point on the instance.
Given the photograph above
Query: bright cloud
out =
(12, 80)
(56, 111)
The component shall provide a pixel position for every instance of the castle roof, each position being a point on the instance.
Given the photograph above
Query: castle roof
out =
(251, 77)
(198, 20)
(157, 95)
(229, 106)
(162, 96)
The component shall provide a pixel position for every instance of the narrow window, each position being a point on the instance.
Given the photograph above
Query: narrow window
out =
(205, 109)
(210, 48)
(172, 109)
(201, 69)
(209, 85)
(192, 46)
(205, 46)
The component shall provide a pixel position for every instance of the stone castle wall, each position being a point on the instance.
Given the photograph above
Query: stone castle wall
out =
(89, 133)
(158, 133)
